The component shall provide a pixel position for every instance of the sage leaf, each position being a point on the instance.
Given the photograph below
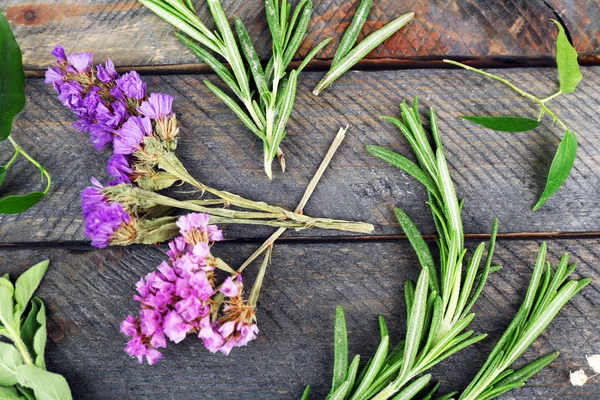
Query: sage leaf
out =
(17, 204)
(504, 124)
(561, 167)
(12, 78)
(30, 326)
(10, 359)
(3, 170)
(46, 385)
(9, 393)
(566, 60)
(28, 282)
(6, 306)
(39, 340)
(340, 364)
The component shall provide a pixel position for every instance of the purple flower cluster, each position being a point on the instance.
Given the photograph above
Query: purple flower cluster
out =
(102, 219)
(177, 299)
(113, 108)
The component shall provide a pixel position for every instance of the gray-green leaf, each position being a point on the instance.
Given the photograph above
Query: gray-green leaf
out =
(504, 124)
(12, 78)
(6, 306)
(46, 385)
(566, 60)
(30, 326)
(561, 166)
(9, 393)
(10, 359)
(39, 340)
(28, 283)
(340, 365)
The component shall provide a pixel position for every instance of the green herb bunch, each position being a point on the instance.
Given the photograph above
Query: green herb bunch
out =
(23, 373)
(12, 101)
(269, 99)
(569, 75)
(438, 308)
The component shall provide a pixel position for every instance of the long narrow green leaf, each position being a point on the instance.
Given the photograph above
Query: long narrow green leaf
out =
(420, 247)
(340, 363)
(306, 393)
(403, 163)
(529, 370)
(415, 326)
(285, 110)
(292, 22)
(351, 377)
(414, 388)
(361, 50)
(566, 60)
(340, 393)
(272, 13)
(235, 108)
(561, 167)
(299, 32)
(373, 369)
(351, 34)
(492, 394)
(313, 53)
(251, 57)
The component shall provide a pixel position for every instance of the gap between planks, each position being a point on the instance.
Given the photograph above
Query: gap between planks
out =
(381, 64)
(85, 246)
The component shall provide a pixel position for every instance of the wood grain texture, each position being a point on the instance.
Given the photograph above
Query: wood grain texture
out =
(517, 30)
(89, 293)
(583, 20)
(498, 174)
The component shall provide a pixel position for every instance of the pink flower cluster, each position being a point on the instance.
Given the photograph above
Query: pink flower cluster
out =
(180, 298)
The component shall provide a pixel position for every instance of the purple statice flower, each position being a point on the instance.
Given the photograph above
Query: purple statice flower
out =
(131, 86)
(102, 222)
(198, 223)
(71, 94)
(92, 197)
(119, 166)
(229, 288)
(59, 53)
(157, 106)
(139, 345)
(107, 72)
(132, 134)
(55, 76)
(79, 63)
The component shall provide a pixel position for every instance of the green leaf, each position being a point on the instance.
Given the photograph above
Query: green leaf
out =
(3, 170)
(12, 78)
(251, 57)
(420, 247)
(560, 168)
(566, 60)
(372, 369)
(306, 393)
(6, 306)
(352, 373)
(411, 390)
(10, 359)
(46, 385)
(313, 53)
(9, 393)
(18, 204)
(39, 340)
(528, 371)
(352, 31)
(504, 124)
(340, 364)
(340, 393)
(156, 182)
(296, 40)
(28, 283)
(30, 326)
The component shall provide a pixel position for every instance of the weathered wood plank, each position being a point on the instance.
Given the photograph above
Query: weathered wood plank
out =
(498, 174)
(133, 36)
(89, 293)
(583, 20)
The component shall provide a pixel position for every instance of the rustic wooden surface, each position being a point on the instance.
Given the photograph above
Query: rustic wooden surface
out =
(88, 292)
(514, 30)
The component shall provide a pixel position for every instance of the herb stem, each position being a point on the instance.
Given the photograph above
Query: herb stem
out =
(307, 193)
(16, 338)
(19, 149)
(523, 93)
(13, 159)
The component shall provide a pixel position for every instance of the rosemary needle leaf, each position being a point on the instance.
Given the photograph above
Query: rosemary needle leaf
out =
(411, 390)
(251, 56)
(353, 30)
(306, 393)
(560, 168)
(415, 323)
(374, 366)
(340, 364)
(299, 32)
(340, 393)
(361, 50)
(235, 108)
(352, 372)
(528, 371)
(312, 54)
(383, 327)
(272, 13)
(420, 247)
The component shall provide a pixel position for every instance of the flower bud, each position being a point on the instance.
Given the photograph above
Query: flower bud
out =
(578, 378)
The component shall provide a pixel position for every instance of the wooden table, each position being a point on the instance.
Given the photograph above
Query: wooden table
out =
(89, 292)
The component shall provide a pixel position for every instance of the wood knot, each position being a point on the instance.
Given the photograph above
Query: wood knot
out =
(29, 15)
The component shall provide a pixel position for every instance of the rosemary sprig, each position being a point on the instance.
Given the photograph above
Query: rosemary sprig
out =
(569, 76)
(438, 307)
(549, 290)
(268, 100)
(347, 54)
